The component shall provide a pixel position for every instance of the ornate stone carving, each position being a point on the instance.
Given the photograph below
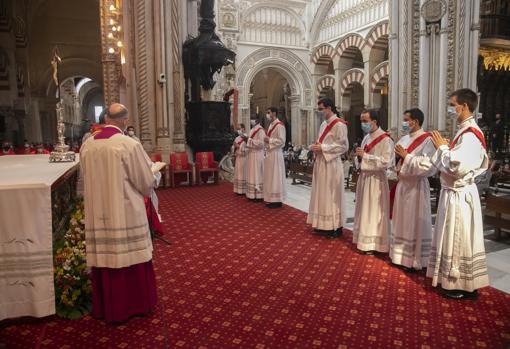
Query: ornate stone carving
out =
(142, 71)
(177, 89)
(229, 16)
(20, 32)
(415, 64)
(4, 70)
(285, 56)
(110, 57)
(433, 10)
(461, 30)
(450, 71)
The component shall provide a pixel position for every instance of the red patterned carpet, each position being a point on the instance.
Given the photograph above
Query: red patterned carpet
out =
(239, 275)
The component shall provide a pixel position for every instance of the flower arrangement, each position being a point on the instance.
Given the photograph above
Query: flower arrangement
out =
(73, 287)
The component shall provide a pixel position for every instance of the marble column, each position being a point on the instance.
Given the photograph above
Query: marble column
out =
(295, 115)
(109, 56)
(434, 51)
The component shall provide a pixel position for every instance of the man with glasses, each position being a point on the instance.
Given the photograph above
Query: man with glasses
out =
(327, 203)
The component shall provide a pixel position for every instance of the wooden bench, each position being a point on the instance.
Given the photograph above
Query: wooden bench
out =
(498, 205)
(300, 172)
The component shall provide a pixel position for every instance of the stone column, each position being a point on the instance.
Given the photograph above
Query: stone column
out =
(110, 56)
(437, 44)
(295, 115)
(161, 32)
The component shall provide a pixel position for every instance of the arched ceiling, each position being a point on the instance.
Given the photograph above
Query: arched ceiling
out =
(74, 27)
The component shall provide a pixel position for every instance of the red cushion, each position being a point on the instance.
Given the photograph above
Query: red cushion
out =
(156, 157)
(179, 161)
(205, 160)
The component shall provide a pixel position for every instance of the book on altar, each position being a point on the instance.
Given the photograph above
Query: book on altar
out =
(158, 166)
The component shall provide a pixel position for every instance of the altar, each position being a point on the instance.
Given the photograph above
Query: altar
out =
(35, 198)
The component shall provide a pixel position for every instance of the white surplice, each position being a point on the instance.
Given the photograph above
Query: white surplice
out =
(372, 213)
(239, 149)
(327, 201)
(274, 165)
(411, 234)
(457, 260)
(255, 163)
(117, 177)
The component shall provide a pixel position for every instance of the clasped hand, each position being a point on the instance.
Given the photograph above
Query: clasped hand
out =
(316, 147)
(400, 151)
(438, 140)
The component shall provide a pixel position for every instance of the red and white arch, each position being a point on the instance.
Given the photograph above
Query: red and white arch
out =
(347, 47)
(323, 54)
(351, 77)
(380, 77)
(325, 83)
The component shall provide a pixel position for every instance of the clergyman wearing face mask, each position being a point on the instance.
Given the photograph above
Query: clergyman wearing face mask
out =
(131, 133)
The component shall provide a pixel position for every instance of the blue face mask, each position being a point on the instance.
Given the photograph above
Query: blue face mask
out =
(405, 127)
(366, 127)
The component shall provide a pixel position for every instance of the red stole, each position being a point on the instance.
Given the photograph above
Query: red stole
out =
(255, 133)
(475, 131)
(107, 132)
(274, 126)
(329, 128)
(415, 144)
(369, 147)
(240, 142)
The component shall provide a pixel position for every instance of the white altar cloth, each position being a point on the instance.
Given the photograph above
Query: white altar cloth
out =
(26, 251)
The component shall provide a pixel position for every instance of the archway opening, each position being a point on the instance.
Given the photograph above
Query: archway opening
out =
(352, 116)
(83, 102)
(270, 88)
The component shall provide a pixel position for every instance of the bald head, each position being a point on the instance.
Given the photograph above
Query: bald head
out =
(117, 111)
(117, 115)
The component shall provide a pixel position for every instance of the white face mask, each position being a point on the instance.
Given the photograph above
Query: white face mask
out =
(253, 123)
(240, 132)
(268, 117)
(452, 113)
(131, 133)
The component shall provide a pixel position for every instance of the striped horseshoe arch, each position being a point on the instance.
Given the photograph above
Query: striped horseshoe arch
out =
(350, 77)
(323, 54)
(349, 45)
(380, 77)
(326, 82)
(377, 38)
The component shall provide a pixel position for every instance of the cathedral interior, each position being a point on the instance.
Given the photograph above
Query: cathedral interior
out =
(287, 55)
(189, 73)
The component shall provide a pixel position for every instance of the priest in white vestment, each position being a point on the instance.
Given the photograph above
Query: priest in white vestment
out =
(411, 233)
(255, 162)
(117, 177)
(326, 212)
(376, 155)
(457, 261)
(239, 150)
(274, 164)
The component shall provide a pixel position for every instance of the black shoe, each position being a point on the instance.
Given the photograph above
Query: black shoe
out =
(459, 294)
(274, 205)
(407, 269)
(333, 234)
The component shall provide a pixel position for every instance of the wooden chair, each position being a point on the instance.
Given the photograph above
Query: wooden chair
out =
(156, 157)
(205, 167)
(498, 205)
(179, 166)
(300, 172)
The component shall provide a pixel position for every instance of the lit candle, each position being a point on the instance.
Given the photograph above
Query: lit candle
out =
(257, 109)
